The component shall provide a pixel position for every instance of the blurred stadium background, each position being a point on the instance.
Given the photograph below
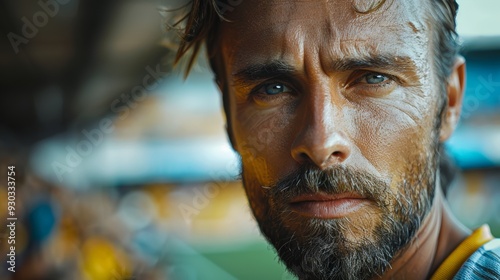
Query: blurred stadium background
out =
(123, 168)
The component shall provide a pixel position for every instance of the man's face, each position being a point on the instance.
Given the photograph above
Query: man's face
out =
(334, 114)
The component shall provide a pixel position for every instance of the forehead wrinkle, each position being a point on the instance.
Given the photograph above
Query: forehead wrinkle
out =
(258, 24)
(291, 47)
(349, 49)
(411, 44)
(356, 41)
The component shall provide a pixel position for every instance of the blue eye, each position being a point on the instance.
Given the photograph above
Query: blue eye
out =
(275, 88)
(375, 78)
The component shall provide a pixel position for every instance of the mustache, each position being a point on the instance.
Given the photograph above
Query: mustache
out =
(332, 181)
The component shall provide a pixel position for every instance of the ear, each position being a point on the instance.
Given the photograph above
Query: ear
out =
(455, 90)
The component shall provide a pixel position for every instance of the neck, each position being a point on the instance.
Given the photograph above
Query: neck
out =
(438, 236)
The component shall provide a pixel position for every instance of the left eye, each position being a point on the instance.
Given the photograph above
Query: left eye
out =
(275, 88)
(375, 78)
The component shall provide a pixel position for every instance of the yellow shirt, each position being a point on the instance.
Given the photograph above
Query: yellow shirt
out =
(456, 259)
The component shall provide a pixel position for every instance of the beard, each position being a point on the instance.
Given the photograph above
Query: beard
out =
(359, 247)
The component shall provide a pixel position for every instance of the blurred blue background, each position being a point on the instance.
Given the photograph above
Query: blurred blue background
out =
(124, 168)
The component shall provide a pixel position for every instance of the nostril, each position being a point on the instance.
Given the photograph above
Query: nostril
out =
(304, 157)
(337, 154)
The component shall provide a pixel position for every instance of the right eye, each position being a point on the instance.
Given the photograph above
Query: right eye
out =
(274, 89)
(272, 93)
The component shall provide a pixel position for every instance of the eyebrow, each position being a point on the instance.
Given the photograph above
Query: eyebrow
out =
(261, 71)
(381, 61)
(276, 68)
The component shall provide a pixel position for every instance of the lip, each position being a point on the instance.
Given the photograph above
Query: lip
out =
(325, 206)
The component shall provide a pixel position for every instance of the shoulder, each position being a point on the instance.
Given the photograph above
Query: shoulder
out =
(482, 264)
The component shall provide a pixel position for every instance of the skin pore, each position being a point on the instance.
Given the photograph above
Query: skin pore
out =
(328, 102)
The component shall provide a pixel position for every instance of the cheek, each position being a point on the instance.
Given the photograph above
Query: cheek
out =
(392, 133)
(261, 137)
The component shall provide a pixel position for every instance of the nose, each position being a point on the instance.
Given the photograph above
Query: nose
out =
(321, 139)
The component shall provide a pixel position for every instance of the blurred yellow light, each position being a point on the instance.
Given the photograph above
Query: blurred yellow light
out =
(102, 261)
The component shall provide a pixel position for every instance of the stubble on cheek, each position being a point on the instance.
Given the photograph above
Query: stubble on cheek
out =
(257, 199)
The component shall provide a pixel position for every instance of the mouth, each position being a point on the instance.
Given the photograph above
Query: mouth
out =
(326, 206)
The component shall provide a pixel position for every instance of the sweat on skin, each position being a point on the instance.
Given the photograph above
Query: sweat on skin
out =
(346, 185)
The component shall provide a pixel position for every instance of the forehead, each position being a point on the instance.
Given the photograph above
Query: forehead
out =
(258, 31)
